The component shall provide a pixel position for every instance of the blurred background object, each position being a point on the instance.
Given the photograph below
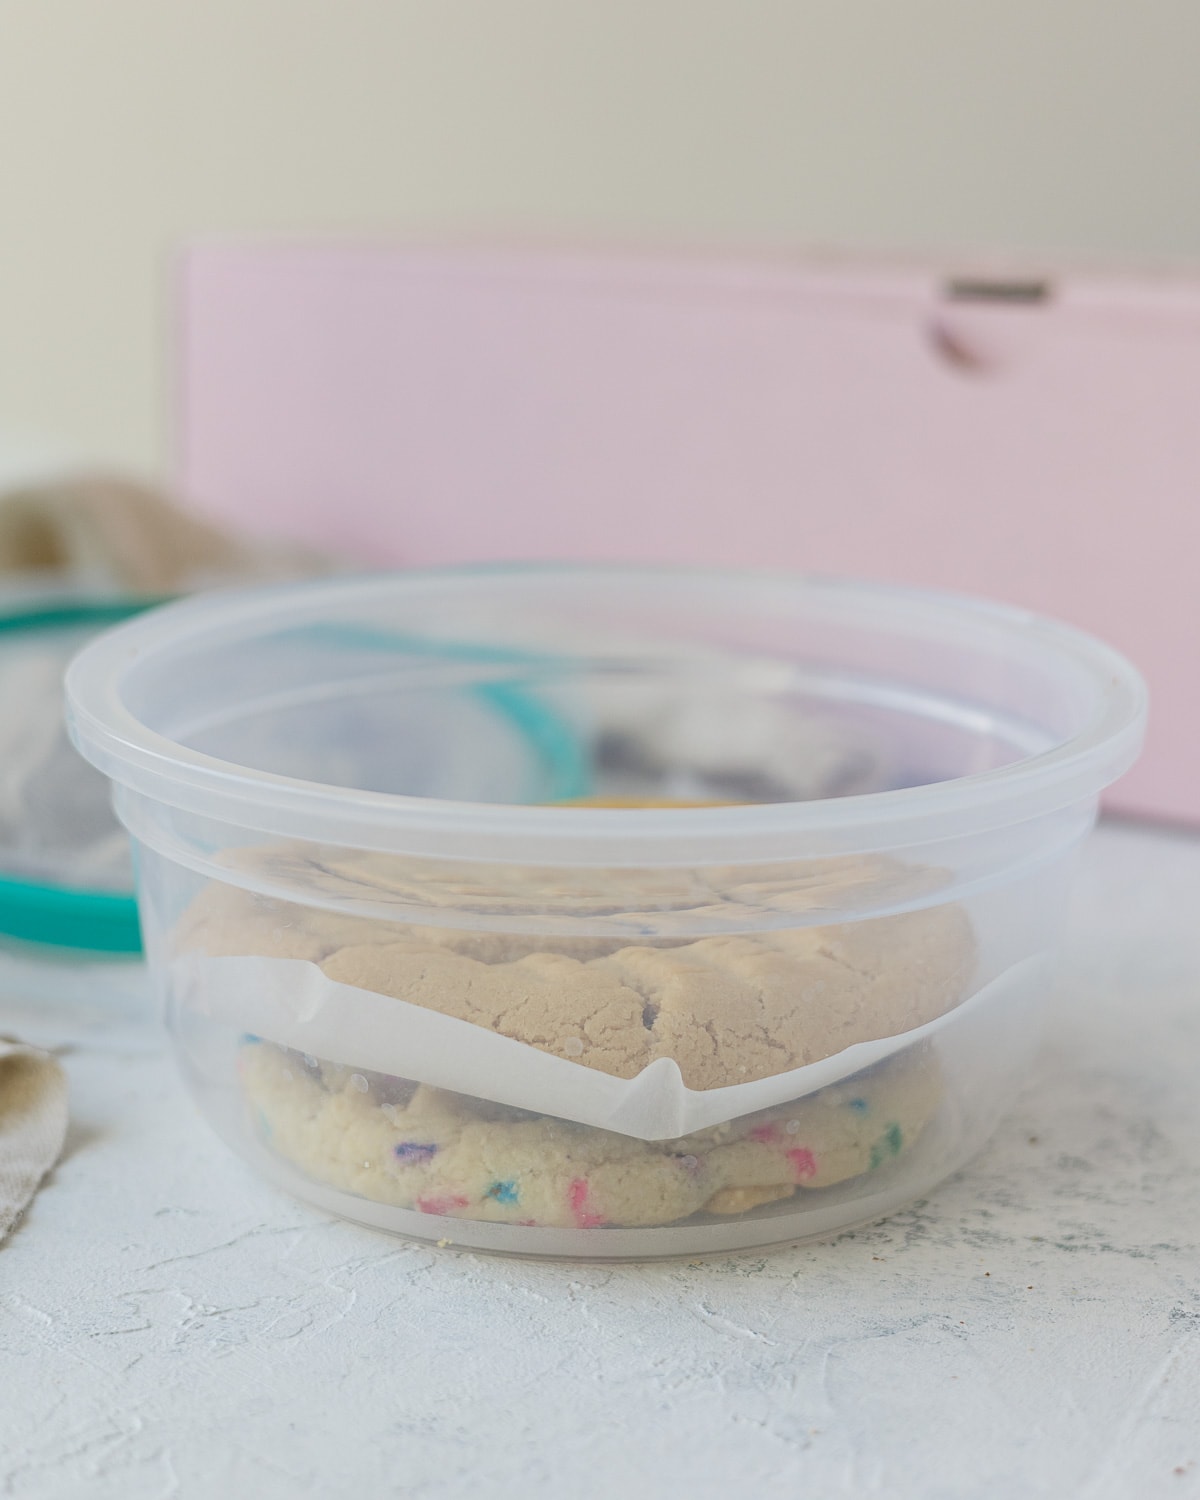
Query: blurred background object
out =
(132, 127)
(80, 553)
(1026, 438)
(98, 534)
(884, 413)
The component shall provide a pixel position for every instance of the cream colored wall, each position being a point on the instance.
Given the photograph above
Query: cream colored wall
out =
(127, 126)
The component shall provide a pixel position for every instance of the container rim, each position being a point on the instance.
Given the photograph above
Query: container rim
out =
(136, 757)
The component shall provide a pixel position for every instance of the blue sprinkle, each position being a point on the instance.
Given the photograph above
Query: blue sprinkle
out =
(503, 1192)
(248, 1036)
(414, 1151)
(860, 1105)
(264, 1126)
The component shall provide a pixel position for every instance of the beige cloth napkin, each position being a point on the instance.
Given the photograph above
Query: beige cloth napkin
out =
(127, 536)
(33, 1124)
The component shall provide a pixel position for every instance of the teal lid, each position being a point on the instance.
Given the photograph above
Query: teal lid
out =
(45, 912)
(64, 917)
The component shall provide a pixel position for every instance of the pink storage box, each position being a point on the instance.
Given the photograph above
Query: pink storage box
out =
(1033, 441)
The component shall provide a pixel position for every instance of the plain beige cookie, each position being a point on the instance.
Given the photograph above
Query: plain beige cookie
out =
(548, 1000)
(227, 921)
(396, 886)
(728, 1008)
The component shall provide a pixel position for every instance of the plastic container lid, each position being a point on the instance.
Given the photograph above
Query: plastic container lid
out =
(1075, 708)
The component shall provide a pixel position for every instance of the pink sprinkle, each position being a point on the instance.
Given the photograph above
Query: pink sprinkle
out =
(765, 1133)
(442, 1205)
(577, 1195)
(804, 1163)
(526, 1223)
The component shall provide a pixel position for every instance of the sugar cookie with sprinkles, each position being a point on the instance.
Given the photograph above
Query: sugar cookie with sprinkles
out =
(415, 1147)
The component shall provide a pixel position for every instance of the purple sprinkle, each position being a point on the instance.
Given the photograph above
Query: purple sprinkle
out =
(414, 1151)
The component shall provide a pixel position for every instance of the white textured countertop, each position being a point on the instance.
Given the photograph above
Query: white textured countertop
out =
(170, 1326)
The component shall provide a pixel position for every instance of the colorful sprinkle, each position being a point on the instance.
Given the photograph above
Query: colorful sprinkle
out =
(765, 1133)
(860, 1105)
(249, 1037)
(689, 1163)
(443, 1205)
(359, 1083)
(411, 1152)
(804, 1163)
(502, 1192)
(577, 1195)
(888, 1144)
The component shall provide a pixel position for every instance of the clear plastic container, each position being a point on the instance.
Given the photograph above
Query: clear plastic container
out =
(417, 973)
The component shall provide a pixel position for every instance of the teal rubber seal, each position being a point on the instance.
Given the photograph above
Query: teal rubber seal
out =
(60, 916)
(63, 916)
(52, 616)
(566, 765)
